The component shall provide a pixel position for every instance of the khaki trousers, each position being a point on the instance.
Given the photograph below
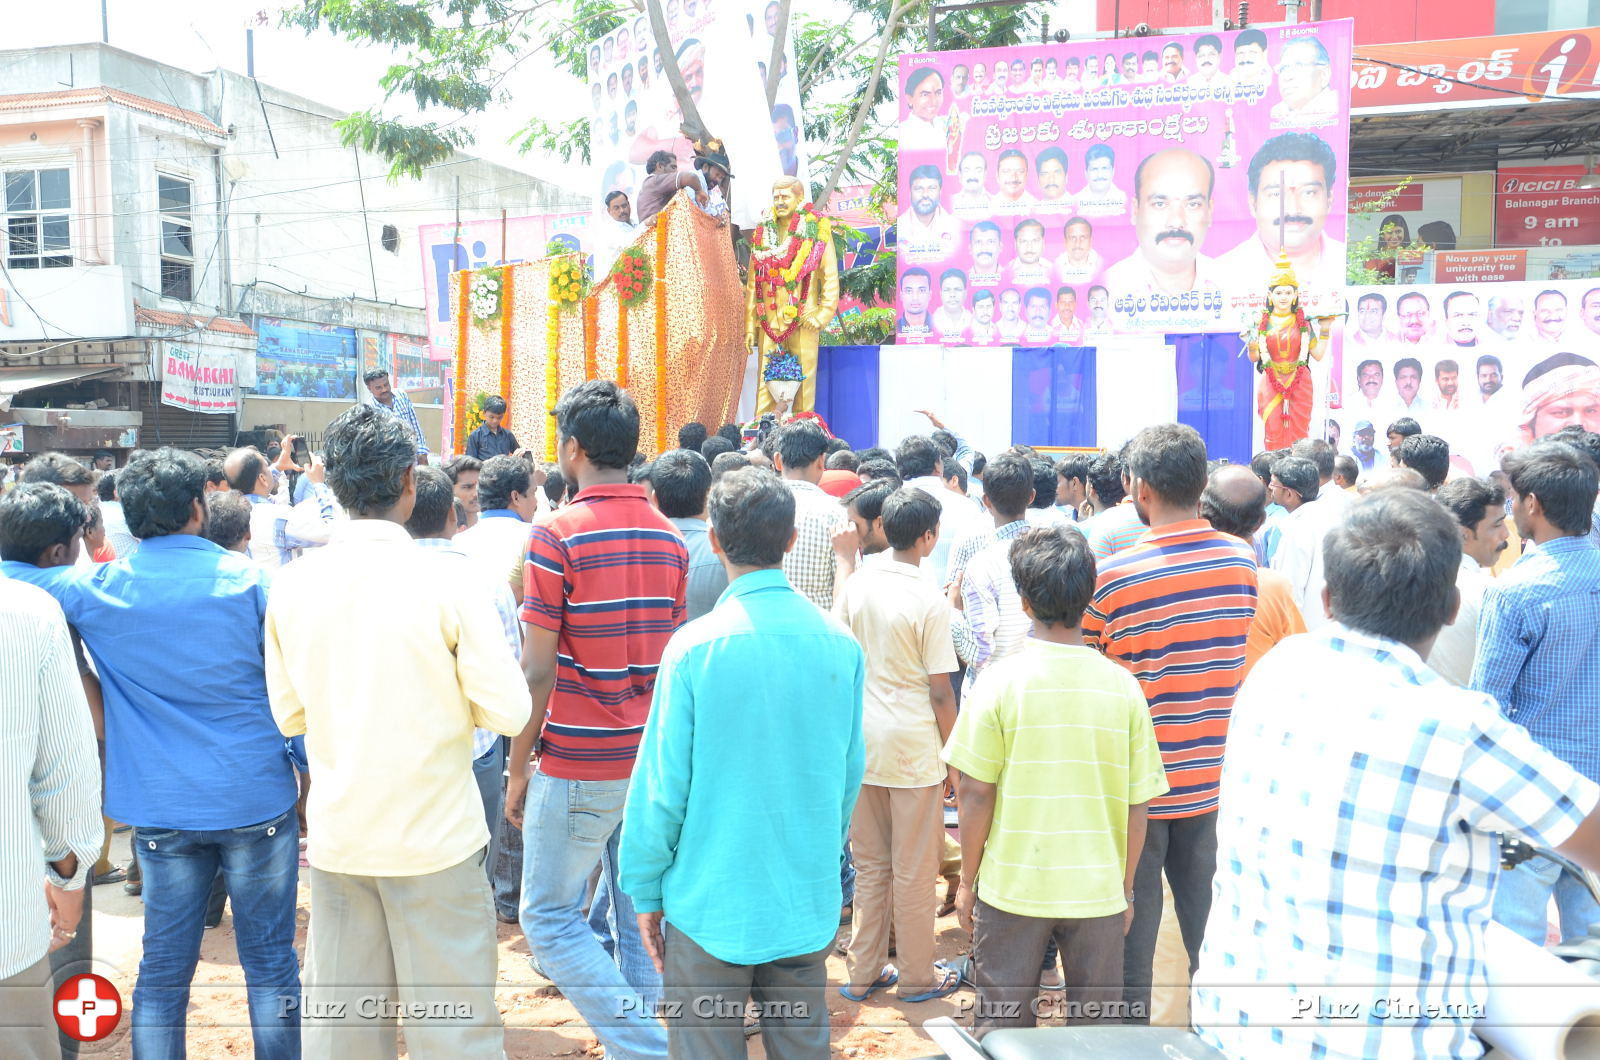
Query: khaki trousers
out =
(419, 946)
(27, 1028)
(895, 839)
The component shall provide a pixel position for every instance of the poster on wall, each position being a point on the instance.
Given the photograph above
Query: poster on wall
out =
(1427, 211)
(1543, 206)
(199, 379)
(301, 360)
(412, 371)
(449, 247)
(1488, 367)
(1057, 193)
(723, 48)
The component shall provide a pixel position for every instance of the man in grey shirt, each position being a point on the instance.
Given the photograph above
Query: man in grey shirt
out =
(682, 480)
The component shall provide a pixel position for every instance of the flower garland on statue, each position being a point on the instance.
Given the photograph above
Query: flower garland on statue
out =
(1281, 380)
(783, 261)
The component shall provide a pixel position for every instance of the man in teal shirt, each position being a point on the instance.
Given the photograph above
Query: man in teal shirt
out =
(741, 798)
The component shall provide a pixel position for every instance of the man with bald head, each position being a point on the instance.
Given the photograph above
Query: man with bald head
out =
(280, 529)
(1235, 502)
(1171, 216)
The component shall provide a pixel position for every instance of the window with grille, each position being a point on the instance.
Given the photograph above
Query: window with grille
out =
(176, 201)
(38, 219)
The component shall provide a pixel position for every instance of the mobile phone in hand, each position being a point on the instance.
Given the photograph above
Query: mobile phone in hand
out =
(301, 453)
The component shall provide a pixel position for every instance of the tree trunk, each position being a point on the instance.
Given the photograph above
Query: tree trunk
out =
(885, 39)
(776, 60)
(693, 127)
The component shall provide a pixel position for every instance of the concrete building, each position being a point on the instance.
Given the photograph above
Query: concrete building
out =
(211, 232)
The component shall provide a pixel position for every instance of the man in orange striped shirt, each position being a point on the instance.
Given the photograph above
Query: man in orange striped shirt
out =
(1175, 609)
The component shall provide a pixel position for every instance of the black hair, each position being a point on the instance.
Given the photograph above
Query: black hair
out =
(1561, 476)
(500, 477)
(917, 457)
(726, 462)
(979, 463)
(927, 173)
(603, 419)
(1294, 147)
(1171, 459)
(876, 452)
(1317, 450)
(731, 432)
(435, 505)
(215, 476)
(35, 516)
(457, 464)
(1428, 455)
(1299, 474)
(657, 158)
(1585, 441)
(1407, 362)
(954, 470)
(801, 443)
(641, 470)
(58, 468)
(368, 453)
(372, 375)
(682, 480)
(105, 487)
(1383, 303)
(1009, 483)
(908, 513)
(496, 405)
(1211, 39)
(1391, 566)
(878, 471)
(842, 460)
(1405, 426)
(227, 518)
(1240, 515)
(555, 485)
(919, 76)
(1262, 463)
(867, 499)
(752, 512)
(1054, 572)
(1345, 467)
(692, 435)
(1105, 475)
(715, 446)
(1467, 498)
(1044, 483)
(251, 465)
(945, 441)
(611, 195)
(159, 489)
(1248, 37)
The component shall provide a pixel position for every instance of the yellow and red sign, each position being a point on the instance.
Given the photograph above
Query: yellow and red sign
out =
(1512, 70)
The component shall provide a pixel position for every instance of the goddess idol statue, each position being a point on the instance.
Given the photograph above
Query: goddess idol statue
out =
(793, 289)
(1282, 346)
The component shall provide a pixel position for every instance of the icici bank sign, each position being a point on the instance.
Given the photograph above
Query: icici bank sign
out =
(1523, 184)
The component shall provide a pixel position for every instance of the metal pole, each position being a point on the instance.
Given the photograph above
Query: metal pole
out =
(105, 24)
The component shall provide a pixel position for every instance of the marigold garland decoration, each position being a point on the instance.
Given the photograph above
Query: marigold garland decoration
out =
(552, 377)
(622, 343)
(506, 287)
(631, 276)
(591, 336)
(463, 317)
(661, 337)
(569, 281)
(781, 266)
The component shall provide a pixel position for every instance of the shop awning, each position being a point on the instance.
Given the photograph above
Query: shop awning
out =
(14, 381)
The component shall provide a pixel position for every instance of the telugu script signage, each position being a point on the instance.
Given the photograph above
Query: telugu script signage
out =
(1506, 71)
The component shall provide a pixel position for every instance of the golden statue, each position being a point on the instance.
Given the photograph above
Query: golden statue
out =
(793, 290)
(1282, 346)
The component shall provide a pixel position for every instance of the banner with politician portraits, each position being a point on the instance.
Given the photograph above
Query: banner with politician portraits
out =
(1054, 193)
(1488, 367)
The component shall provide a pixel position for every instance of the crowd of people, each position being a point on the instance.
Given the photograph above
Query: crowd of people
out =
(695, 721)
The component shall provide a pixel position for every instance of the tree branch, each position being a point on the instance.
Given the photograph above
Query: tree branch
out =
(693, 127)
(885, 39)
(776, 61)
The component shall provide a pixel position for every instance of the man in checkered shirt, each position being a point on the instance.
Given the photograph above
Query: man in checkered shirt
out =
(800, 455)
(1356, 861)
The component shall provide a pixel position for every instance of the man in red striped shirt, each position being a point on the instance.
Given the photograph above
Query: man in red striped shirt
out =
(604, 590)
(1175, 608)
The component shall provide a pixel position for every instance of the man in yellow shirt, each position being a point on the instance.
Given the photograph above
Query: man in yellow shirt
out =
(387, 693)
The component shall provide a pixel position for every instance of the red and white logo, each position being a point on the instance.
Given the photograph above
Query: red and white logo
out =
(87, 1007)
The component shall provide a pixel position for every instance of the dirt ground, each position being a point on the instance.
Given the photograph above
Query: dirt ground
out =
(539, 1023)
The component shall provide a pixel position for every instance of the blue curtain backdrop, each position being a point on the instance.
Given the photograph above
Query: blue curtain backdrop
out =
(847, 392)
(1216, 393)
(1053, 395)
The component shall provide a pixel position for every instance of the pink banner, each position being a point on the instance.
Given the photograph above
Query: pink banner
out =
(1054, 193)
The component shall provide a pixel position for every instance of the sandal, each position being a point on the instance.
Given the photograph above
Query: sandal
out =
(948, 983)
(889, 977)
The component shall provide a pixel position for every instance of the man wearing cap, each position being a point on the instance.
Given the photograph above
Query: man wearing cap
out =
(1363, 445)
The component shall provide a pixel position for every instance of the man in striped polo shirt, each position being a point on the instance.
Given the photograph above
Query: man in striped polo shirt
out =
(604, 591)
(1175, 608)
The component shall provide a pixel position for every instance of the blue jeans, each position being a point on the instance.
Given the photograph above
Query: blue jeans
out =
(1522, 900)
(260, 864)
(569, 827)
(489, 771)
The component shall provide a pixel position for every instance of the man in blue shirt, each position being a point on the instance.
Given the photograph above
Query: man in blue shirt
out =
(491, 439)
(763, 694)
(1539, 656)
(396, 404)
(194, 760)
(681, 481)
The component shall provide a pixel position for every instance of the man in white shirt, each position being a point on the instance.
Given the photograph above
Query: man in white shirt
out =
(1305, 75)
(1011, 171)
(1011, 324)
(921, 464)
(926, 232)
(1296, 487)
(280, 531)
(1479, 507)
(1408, 387)
(1068, 328)
(924, 126)
(1029, 269)
(1051, 169)
(951, 321)
(973, 196)
(1100, 197)
(1080, 261)
(1171, 216)
(983, 245)
(507, 499)
(1291, 180)
(985, 330)
(1036, 313)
